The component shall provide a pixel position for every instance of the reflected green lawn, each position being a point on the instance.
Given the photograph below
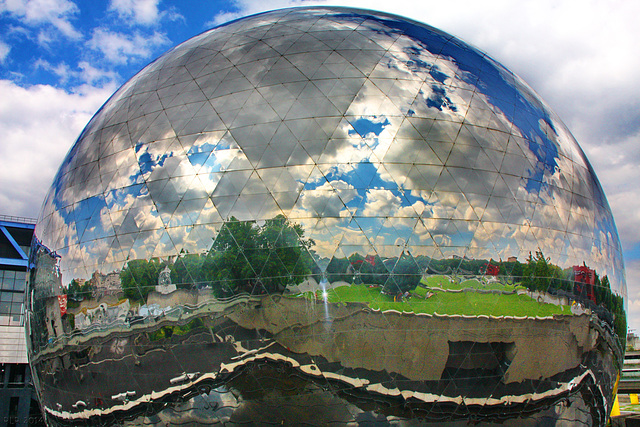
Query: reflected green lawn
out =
(444, 282)
(464, 303)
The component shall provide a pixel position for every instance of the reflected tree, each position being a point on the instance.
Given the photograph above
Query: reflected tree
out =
(405, 276)
(262, 259)
(187, 271)
(541, 275)
(140, 277)
(370, 269)
(338, 270)
(615, 304)
(283, 254)
(78, 291)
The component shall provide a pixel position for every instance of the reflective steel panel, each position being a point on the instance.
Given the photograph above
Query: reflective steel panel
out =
(326, 215)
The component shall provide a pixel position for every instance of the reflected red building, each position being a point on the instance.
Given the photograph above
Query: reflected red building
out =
(584, 278)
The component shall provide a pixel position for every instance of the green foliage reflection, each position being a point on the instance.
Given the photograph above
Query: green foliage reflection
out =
(140, 277)
(258, 259)
(244, 257)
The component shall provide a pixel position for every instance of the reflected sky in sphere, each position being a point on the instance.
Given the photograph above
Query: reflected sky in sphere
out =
(334, 156)
(365, 129)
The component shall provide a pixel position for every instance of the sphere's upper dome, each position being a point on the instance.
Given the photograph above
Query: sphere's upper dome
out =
(363, 127)
(347, 137)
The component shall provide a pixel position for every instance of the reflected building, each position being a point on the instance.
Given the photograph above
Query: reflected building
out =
(326, 215)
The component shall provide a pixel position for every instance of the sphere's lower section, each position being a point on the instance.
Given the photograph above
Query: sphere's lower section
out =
(301, 359)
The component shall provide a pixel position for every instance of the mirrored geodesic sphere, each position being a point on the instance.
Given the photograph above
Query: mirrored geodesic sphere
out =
(326, 215)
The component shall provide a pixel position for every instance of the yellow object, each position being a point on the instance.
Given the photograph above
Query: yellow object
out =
(615, 411)
(634, 398)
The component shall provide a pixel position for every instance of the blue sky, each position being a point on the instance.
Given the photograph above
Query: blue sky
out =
(61, 59)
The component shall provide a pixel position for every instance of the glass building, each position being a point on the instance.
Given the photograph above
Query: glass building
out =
(326, 215)
(18, 404)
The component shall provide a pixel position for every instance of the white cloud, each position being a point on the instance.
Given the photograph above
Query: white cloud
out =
(38, 124)
(56, 13)
(223, 17)
(85, 74)
(92, 75)
(119, 47)
(4, 51)
(249, 7)
(45, 37)
(142, 11)
(617, 168)
(61, 70)
(327, 200)
(380, 203)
